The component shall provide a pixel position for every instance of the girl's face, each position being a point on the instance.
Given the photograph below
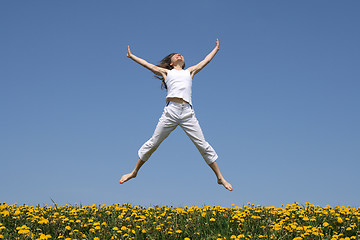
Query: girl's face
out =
(177, 58)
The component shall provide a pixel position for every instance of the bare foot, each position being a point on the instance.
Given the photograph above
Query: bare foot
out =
(225, 183)
(127, 177)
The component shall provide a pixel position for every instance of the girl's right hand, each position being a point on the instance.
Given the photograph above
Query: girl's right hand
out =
(128, 53)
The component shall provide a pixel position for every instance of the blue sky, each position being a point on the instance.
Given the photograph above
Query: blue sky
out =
(279, 102)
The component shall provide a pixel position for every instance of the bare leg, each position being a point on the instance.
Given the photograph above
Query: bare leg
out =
(220, 178)
(134, 172)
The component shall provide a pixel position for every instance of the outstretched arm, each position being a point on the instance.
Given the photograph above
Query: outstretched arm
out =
(155, 69)
(196, 68)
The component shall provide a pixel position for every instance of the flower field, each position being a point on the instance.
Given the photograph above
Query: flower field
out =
(135, 222)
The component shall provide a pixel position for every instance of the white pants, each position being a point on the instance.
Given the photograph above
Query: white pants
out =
(178, 114)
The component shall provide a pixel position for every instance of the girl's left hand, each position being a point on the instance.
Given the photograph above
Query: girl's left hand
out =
(217, 43)
(128, 53)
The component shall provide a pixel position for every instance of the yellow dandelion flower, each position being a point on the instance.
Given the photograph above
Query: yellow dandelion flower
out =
(5, 213)
(325, 224)
(23, 231)
(212, 219)
(42, 236)
(43, 221)
(277, 227)
(178, 231)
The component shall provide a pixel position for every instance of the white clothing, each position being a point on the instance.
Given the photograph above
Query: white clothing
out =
(179, 83)
(178, 114)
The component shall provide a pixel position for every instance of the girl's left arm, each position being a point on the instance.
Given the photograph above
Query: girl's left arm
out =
(196, 68)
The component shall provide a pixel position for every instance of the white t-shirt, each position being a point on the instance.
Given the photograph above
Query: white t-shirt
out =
(179, 83)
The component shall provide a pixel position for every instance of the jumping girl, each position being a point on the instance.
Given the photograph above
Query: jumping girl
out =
(178, 110)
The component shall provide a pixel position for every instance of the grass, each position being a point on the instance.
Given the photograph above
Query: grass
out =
(162, 222)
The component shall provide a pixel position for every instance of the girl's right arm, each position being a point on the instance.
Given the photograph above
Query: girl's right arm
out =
(155, 69)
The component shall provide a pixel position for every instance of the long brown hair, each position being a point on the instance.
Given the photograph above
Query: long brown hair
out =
(165, 63)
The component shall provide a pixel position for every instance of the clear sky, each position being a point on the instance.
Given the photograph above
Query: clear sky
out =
(279, 102)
